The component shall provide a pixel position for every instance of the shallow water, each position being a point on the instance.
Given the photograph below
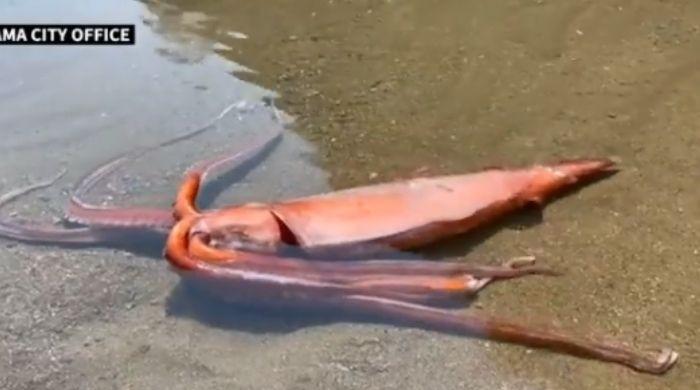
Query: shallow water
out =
(382, 88)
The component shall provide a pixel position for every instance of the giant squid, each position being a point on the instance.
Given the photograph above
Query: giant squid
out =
(317, 251)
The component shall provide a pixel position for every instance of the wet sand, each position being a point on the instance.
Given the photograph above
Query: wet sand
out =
(382, 88)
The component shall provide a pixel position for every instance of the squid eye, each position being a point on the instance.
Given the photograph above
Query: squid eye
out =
(206, 238)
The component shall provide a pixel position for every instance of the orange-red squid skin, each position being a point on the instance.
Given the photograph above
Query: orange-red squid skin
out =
(238, 252)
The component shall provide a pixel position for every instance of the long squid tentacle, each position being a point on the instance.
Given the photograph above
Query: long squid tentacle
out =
(500, 330)
(148, 218)
(265, 283)
(300, 274)
(84, 213)
(33, 232)
(79, 211)
(17, 192)
(36, 232)
(438, 279)
(512, 269)
(101, 222)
